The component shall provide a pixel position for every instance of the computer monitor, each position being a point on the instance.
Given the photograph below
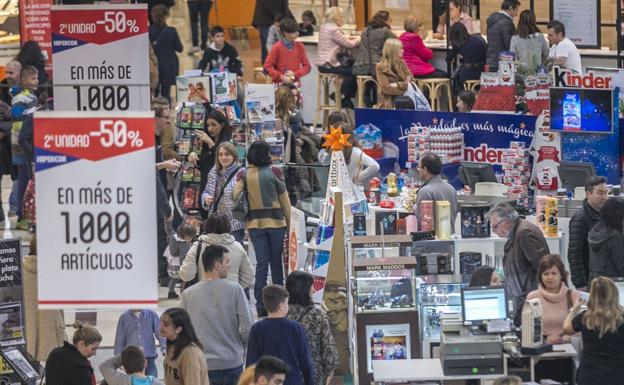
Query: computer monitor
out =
(472, 173)
(482, 304)
(575, 174)
(619, 282)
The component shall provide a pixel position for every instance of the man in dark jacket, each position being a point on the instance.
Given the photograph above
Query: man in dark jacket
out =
(220, 55)
(606, 242)
(581, 223)
(524, 249)
(500, 29)
(264, 16)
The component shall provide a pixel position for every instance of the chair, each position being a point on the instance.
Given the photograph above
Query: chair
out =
(471, 84)
(433, 87)
(361, 88)
(261, 77)
(324, 85)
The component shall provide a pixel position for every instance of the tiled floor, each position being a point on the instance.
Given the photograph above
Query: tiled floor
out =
(107, 320)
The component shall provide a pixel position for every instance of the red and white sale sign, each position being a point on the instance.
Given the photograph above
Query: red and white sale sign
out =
(35, 25)
(100, 57)
(96, 210)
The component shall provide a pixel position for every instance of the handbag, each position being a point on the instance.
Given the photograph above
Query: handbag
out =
(420, 101)
(241, 205)
(345, 58)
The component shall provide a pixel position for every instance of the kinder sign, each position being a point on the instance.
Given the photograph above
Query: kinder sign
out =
(567, 78)
(484, 154)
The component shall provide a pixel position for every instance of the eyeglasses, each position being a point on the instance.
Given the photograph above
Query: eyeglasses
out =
(494, 227)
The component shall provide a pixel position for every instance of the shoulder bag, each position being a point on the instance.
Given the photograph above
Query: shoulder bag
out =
(241, 205)
(215, 203)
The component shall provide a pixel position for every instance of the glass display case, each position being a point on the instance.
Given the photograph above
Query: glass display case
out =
(436, 299)
(385, 284)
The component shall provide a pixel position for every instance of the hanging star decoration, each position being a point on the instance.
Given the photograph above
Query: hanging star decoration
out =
(336, 140)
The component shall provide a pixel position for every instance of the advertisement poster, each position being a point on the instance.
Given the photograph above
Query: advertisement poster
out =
(223, 86)
(387, 342)
(87, 77)
(96, 224)
(260, 102)
(35, 25)
(296, 239)
(11, 314)
(195, 89)
(581, 20)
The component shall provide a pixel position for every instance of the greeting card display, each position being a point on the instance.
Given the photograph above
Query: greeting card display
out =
(474, 223)
(194, 89)
(224, 87)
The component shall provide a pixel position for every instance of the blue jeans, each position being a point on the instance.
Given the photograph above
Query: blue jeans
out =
(239, 236)
(23, 176)
(225, 376)
(13, 197)
(264, 34)
(268, 245)
(199, 10)
(151, 370)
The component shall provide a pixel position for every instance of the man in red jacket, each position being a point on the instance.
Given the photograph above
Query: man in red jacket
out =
(287, 62)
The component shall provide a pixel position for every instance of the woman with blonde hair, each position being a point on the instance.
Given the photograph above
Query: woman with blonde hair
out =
(393, 75)
(602, 330)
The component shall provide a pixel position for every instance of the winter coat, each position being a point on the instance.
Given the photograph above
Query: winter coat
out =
(209, 155)
(264, 14)
(524, 248)
(581, 224)
(416, 55)
(240, 271)
(605, 252)
(372, 40)
(66, 366)
(166, 43)
(500, 29)
(332, 40)
(6, 165)
(387, 76)
(45, 329)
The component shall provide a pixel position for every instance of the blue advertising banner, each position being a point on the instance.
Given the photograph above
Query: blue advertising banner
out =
(485, 135)
(603, 150)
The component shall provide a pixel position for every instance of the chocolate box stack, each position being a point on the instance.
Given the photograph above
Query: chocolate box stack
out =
(446, 142)
(516, 172)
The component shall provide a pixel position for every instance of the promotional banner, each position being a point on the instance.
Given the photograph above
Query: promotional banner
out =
(100, 57)
(296, 240)
(96, 220)
(35, 25)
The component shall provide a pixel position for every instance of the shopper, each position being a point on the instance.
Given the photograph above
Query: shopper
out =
(216, 131)
(269, 210)
(415, 54)
(602, 330)
(166, 43)
(220, 312)
(275, 34)
(392, 74)
(606, 241)
(556, 299)
(287, 61)
(179, 242)
(465, 101)
(434, 188)
(500, 29)
(529, 44)
(484, 276)
(472, 53)
(31, 55)
(23, 105)
(264, 14)
(134, 364)
(220, 55)
(315, 325)
(11, 80)
(308, 23)
(269, 370)
(185, 362)
(199, 9)
(216, 231)
(524, 248)
(45, 329)
(217, 195)
(583, 220)
(456, 10)
(69, 364)
(372, 41)
(360, 166)
(334, 45)
(563, 52)
(292, 344)
(137, 327)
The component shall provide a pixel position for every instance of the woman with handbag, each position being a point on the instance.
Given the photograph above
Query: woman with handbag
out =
(217, 195)
(333, 56)
(261, 186)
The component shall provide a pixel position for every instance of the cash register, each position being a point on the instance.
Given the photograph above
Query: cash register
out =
(473, 346)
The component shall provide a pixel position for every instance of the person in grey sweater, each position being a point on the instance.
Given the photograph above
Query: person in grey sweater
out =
(434, 188)
(221, 316)
(133, 362)
(529, 44)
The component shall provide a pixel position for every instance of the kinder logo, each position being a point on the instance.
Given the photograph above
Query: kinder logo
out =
(483, 154)
(565, 78)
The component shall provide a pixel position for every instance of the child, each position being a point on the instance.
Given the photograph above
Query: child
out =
(274, 32)
(23, 105)
(138, 327)
(287, 61)
(134, 363)
(291, 346)
(179, 245)
(166, 43)
(308, 23)
(220, 55)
